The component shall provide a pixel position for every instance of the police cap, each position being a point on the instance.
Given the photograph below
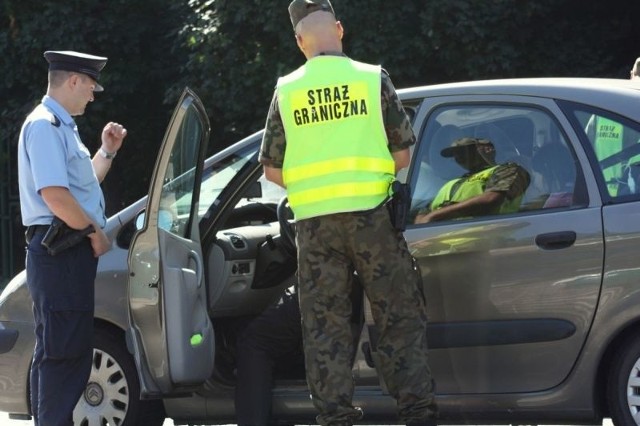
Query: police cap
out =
(463, 142)
(67, 60)
(300, 9)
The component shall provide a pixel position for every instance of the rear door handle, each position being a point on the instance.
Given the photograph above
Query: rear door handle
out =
(556, 240)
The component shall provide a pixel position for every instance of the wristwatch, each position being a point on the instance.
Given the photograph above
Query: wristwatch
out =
(107, 155)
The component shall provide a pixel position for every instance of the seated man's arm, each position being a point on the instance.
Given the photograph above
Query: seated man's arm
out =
(474, 206)
(510, 178)
(507, 182)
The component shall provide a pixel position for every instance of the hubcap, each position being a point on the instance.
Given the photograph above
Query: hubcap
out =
(633, 390)
(93, 394)
(107, 396)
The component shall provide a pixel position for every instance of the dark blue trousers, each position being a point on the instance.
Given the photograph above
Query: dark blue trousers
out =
(267, 340)
(62, 289)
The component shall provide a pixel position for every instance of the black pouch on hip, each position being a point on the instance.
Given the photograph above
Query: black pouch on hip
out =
(399, 204)
(60, 237)
(56, 229)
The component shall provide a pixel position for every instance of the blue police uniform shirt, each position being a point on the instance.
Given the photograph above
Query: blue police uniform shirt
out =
(50, 153)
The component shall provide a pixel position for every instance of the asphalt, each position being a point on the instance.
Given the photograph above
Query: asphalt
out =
(4, 421)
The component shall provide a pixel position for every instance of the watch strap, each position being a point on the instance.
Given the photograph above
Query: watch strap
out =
(107, 155)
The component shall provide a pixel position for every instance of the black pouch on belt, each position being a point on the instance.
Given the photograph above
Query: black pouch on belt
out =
(55, 230)
(399, 204)
(60, 237)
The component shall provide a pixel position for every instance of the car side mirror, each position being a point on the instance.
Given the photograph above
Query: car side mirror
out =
(165, 220)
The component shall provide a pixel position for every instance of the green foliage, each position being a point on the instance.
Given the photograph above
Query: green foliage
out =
(236, 52)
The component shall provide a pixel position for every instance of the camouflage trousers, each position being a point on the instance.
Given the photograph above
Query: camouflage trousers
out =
(330, 248)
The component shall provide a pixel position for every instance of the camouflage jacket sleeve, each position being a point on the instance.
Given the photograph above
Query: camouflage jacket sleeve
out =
(509, 178)
(273, 140)
(396, 121)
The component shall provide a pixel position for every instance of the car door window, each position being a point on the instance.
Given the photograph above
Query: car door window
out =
(613, 144)
(217, 176)
(526, 159)
(177, 192)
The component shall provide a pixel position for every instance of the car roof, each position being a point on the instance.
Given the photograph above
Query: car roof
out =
(618, 95)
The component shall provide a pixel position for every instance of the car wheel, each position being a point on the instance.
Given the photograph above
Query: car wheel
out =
(623, 385)
(112, 393)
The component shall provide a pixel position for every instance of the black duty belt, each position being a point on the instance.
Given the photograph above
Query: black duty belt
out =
(34, 230)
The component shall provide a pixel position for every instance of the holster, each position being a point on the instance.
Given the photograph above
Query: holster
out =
(399, 205)
(60, 236)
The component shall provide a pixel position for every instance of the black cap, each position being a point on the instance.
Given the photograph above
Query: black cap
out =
(67, 60)
(300, 9)
(462, 142)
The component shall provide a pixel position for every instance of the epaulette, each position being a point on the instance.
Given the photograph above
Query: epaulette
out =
(55, 121)
(384, 71)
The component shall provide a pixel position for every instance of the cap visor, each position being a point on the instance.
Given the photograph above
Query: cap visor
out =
(98, 88)
(448, 152)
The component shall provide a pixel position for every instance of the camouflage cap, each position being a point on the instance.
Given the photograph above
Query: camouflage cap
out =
(300, 9)
(462, 142)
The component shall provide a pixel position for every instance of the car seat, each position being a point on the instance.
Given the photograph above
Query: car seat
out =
(556, 174)
(506, 150)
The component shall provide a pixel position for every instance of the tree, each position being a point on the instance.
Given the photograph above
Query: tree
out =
(142, 65)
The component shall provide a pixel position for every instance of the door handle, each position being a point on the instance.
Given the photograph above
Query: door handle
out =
(556, 240)
(199, 269)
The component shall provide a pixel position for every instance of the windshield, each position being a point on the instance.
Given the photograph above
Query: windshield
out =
(217, 176)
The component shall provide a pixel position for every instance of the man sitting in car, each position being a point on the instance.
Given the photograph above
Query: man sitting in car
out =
(487, 188)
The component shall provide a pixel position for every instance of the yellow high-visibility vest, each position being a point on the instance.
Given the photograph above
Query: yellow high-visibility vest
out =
(337, 157)
(608, 141)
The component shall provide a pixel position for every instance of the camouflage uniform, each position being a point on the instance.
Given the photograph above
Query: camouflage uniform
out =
(509, 178)
(330, 248)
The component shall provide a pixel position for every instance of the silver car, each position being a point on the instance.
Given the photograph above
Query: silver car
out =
(534, 313)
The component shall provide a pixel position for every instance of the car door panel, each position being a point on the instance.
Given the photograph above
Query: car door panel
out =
(169, 329)
(490, 310)
(506, 314)
(187, 323)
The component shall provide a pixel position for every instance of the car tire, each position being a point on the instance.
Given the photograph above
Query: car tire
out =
(112, 395)
(624, 383)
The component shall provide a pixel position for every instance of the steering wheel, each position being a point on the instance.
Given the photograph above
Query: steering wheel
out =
(287, 226)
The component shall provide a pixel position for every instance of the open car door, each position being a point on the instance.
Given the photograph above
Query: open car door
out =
(169, 329)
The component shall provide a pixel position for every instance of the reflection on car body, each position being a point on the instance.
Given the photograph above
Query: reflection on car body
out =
(533, 312)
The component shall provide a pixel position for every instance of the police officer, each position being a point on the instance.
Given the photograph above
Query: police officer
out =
(336, 134)
(487, 188)
(58, 178)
